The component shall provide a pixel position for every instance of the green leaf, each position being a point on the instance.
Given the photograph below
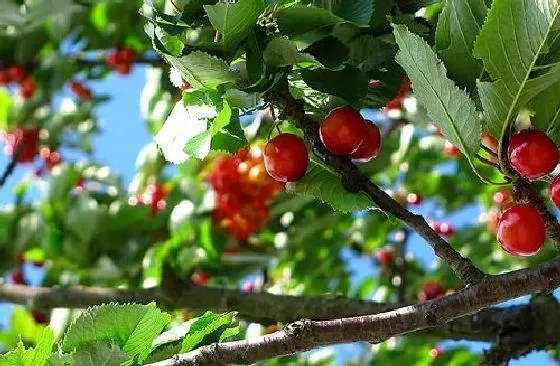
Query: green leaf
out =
(10, 14)
(239, 99)
(356, 11)
(547, 112)
(204, 326)
(99, 353)
(329, 51)
(172, 44)
(132, 327)
(200, 145)
(30, 357)
(234, 20)
(458, 26)
(449, 107)
(514, 35)
(230, 138)
(298, 20)
(350, 83)
(202, 70)
(282, 52)
(5, 108)
(60, 359)
(326, 186)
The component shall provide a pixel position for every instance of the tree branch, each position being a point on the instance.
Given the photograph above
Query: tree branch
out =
(90, 63)
(305, 335)
(400, 266)
(352, 178)
(11, 167)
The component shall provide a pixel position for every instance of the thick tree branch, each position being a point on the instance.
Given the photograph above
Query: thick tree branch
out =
(353, 179)
(305, 335)
(89, 63)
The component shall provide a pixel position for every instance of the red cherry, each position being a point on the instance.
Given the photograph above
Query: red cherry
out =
(554, 191)
(111, 59)
(384, 257)
(17, 74)
(27, 88)
(446, 229)
(17, 277)
(286, 158)
(200, 278)
(532, 154)
(451, 150)
(414, 199)
(375, 84)
(52, 158)
(436, 352)
(5, 77)
(29, 138)
(405, 88)
(521, 230)
(343, 131)
(493, 218)
(369, 149)
(126, 56)
(76, 87)
(40, 317)
(186, 85)
(123, 69)
(395, 103)
(430, 290)
(502, 197)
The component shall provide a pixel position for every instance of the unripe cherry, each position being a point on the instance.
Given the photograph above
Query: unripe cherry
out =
(521, 230)
(369, 149)
(343, 131)
(286, 158)
(532, 154)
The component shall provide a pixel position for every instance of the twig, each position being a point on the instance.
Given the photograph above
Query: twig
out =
(11, 167)
(305, 335)
(90, 63)
(354, 180)
(400, 266)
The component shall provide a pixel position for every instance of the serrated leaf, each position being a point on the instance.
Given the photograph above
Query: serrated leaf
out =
(449, 107)
(30, 357)
(60, 359)
(547, 112)
(204, 326)
(199, 146)
(202, 70)
(355, 11)
(132, 327)
(280, 52)
(458, 26)
(172, 43)
(99, 354)
(234, 20)
(353, 88)
(298, 20)
(231, 138)
(239, 99)
(329, 51)
(509, 45)
(326, 186)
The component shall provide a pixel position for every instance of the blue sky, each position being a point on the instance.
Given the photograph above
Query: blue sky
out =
(124, 134)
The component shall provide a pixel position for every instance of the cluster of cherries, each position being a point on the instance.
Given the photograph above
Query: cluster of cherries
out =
(242, 191)
(17, 74)
(121, 60)
(153, 196)
(81, 91)
(18, 278)
(521, 230)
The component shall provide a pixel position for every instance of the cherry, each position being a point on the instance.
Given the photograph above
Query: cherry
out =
(430, 290)
(126, 56)
(369, 149)
(343, 131)
(414, 199)
(450, 150)
(111, 59)
(154, 196)
(17, 74)
(521, 230)
(249, 287)
(200, 278)
(286, 158)
(384, 257)
(5, 77)
(17, 277)
(532, 154)
(502, 197)
(80, 90)
(397, 101)
(186, 85)
(446, 229)
(493, 219)
(27, 88)
(28, 137)
(40, 317)
(554, 191)
(52, 158)
(436, 352)
(233, 250)
(375, 84)
(123, 69)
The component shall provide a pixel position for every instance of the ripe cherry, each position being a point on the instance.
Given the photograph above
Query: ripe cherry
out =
(286, 158)
(532, 154)
(521, 230)
(27, 88)
(51, 157)
(40, 317)
(126, 56)
(343, 131)
(414, 199)
(111, 59)
(446, 229)
(554, 191)
(450, 150)
(17, 74)
(17, 137)
(430, 290)
(369, 149)
(17, 277)
(375, 84)
(200, 278)
(384, 257)
(502, 197)
(5, 77)
(123, 69)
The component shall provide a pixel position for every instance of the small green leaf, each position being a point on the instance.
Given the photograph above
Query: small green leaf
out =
(282, 52)
(458, 26)
(172, 44)
(350, 83)
(234, 20)
(202, 70)
(449, 107)
(204, 326)
(326, 186)
(132, 327)
(298, 20)
(99, 353)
